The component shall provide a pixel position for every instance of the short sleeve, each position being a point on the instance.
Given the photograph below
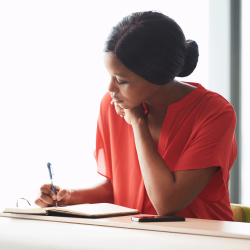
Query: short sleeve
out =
(213, 145)
(102, 150)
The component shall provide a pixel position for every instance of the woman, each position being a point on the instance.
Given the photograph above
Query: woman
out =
(164, 146)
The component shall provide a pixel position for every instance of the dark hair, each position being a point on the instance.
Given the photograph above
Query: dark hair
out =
(153, 46)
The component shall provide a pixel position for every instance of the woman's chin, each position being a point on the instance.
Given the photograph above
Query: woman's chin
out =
(126, 106)
(123, 106)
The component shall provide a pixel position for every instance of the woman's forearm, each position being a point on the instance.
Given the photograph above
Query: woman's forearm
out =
(159, 180)
(101, 193)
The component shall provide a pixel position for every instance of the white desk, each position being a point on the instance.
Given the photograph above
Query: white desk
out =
(35, 234)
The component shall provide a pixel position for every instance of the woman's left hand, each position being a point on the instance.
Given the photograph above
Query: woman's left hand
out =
(130, 115)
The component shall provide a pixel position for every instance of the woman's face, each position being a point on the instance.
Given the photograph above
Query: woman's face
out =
(126, 88)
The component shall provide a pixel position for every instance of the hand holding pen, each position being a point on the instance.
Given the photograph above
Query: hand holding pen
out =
(50, 194)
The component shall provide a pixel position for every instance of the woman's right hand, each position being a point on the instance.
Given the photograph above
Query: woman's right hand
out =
(46, 196)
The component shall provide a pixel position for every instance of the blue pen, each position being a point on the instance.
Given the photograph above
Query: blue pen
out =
(51, 179)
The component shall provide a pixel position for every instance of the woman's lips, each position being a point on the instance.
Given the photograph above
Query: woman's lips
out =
(117, 101)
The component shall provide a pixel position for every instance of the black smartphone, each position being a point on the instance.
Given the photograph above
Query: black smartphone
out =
(156, 218)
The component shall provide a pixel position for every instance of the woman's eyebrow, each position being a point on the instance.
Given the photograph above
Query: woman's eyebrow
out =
(120, 75)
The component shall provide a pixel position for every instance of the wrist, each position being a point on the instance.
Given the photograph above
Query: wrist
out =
(72, 197)
(139, 121)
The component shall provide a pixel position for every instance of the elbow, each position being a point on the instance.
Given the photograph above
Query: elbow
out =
(168, 212)
(169, 204)
(165, 209)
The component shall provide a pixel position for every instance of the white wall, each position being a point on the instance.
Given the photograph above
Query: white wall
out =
(52, 79)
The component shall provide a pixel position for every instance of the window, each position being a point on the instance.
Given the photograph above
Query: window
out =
(245, 103)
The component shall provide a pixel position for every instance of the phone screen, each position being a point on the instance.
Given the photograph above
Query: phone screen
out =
(156, 218)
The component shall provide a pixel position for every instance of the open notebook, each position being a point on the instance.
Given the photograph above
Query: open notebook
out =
(97, 210)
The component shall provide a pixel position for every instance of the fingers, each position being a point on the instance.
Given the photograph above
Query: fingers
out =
(63, 194)
(46, 196)
(57, 188)
(120, 111)
(44, 200)
(46, 189)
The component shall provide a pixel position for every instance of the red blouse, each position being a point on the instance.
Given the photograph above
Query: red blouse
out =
(197, 132)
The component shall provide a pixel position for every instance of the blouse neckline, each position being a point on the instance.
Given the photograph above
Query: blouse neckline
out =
(188, 99)
(185, 101)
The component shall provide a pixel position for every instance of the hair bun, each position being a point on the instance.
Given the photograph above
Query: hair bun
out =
(191, 58)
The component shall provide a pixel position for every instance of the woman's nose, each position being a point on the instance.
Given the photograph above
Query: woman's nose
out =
(112, 87)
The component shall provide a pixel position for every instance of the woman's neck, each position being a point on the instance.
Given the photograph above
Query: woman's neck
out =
(167, 94)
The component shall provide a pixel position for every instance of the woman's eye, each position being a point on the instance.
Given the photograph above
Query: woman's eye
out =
(121, 83)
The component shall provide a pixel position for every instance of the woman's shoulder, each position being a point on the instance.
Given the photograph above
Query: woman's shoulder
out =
(218, 102)
(107, 110)
(105, 103)
(210, 99)
(106, 99)
(213, 107)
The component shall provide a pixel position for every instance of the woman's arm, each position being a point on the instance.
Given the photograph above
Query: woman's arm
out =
(101, 193)
(169, 192)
